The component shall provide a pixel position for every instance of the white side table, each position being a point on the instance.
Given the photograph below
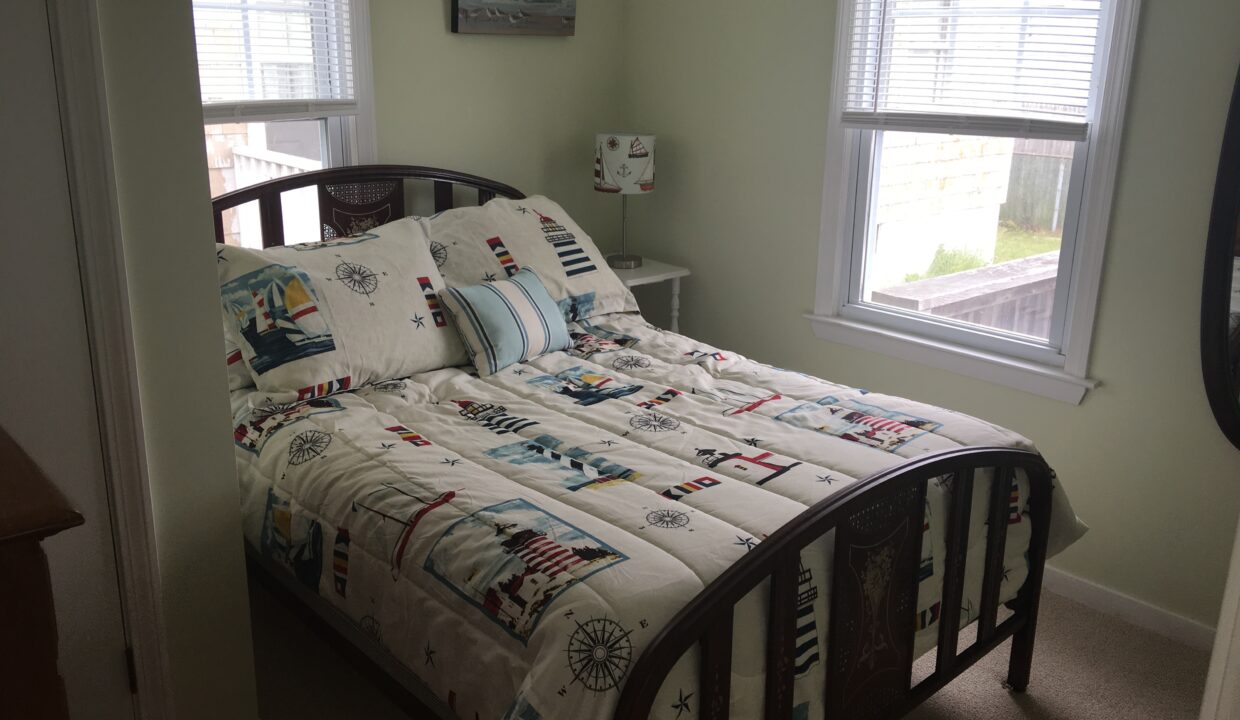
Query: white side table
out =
(653, 271)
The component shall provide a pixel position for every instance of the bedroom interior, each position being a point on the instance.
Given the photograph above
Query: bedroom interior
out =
(742, 100)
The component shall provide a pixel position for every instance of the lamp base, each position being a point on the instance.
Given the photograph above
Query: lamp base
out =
(624, 262)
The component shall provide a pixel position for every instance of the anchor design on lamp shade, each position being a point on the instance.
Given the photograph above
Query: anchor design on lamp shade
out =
(624, 165)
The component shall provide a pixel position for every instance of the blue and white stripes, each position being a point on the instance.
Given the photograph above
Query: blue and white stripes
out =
(507, 321)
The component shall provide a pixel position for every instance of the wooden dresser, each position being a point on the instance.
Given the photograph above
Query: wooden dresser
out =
(31, 509)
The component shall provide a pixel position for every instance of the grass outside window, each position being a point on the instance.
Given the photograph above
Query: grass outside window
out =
(1011, 243)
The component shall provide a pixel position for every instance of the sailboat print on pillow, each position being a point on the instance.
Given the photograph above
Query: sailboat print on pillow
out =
(278, 317)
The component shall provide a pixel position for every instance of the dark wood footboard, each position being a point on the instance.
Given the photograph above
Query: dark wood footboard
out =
(869, 652)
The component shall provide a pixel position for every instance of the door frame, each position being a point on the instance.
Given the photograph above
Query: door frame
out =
(1221, 699)
(76, 55)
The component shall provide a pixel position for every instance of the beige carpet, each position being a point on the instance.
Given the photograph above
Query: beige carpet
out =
(1087, 667)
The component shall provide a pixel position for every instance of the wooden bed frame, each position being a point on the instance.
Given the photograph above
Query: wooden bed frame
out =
(870, 653)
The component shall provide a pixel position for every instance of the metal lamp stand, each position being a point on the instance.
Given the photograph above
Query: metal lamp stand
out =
(624, 261)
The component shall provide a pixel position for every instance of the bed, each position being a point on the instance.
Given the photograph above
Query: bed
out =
(639, 525)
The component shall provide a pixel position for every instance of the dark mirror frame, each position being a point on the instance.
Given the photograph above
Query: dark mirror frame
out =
(1221, 245)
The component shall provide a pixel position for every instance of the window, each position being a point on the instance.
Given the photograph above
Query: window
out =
(971, 153)
(284, 90)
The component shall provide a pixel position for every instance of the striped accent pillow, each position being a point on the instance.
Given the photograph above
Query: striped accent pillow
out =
(506, 321)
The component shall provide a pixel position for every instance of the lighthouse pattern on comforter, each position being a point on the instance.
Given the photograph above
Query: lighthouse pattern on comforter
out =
(517, 541)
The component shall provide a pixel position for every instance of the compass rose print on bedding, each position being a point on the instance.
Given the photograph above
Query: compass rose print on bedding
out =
(599, 654)
(358, 278)
(668, 519)
(307, 446)
(653, 422)
(630, 362)
(439, 252)
(371, 628)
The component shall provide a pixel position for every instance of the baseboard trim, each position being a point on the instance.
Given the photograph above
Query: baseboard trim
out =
(1138, 612)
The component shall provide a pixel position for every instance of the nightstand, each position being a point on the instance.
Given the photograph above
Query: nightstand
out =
(653, 271)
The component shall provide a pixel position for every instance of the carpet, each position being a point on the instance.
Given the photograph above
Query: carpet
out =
(1087, 666)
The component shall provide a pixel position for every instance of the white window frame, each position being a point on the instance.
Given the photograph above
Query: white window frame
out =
(357, 143)
(1057, 369)
(349, 139)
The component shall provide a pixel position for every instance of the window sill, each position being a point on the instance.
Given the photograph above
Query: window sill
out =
(1032, 377)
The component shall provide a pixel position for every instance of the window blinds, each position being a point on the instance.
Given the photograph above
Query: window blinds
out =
(274, 59)
(982, 67)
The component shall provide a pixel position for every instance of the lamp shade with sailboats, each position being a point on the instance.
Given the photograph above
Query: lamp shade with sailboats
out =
(624, 165)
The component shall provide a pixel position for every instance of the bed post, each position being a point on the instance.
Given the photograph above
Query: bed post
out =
(869, 652)
(1021, 660)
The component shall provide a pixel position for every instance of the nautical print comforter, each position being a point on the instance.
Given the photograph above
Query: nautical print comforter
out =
(518, 540)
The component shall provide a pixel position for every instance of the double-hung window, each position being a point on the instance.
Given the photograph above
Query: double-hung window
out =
(285, 89)
(971, 152)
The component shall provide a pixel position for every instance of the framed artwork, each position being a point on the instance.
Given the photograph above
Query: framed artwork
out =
(514, 17)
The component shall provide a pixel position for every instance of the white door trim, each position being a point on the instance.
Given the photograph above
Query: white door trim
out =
(88, 154)
(1222, 695)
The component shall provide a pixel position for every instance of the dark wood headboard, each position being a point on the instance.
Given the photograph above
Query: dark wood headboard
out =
(353, 199)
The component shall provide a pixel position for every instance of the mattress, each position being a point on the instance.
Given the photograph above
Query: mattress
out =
(517, 541)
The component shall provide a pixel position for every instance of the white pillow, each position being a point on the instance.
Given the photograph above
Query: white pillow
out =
(480, 244)
(318, 318)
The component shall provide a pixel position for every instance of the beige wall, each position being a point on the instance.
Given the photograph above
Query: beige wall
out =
(739, 102)
(522, 110)
(161, 180)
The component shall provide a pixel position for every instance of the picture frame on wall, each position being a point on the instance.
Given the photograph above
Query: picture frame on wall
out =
(514, 17)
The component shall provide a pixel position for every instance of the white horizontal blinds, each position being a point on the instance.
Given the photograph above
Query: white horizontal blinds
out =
(981, 67)
(273, 59)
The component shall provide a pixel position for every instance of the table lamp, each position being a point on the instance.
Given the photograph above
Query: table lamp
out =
(624, 164)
